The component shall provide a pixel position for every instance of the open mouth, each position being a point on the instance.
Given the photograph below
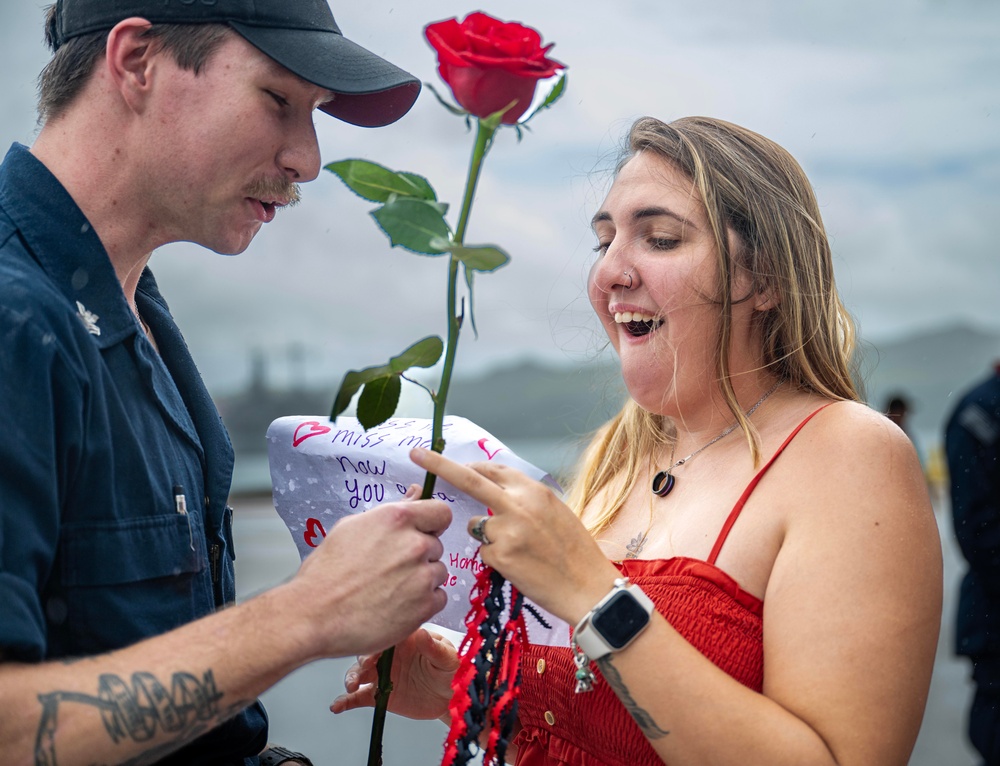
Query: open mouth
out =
(636, 324)
(266, 209)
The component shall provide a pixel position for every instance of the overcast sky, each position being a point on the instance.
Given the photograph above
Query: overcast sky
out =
(893, 109)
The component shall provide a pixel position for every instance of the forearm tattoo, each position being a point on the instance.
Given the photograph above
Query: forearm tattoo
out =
(137, 712)
(641, 717)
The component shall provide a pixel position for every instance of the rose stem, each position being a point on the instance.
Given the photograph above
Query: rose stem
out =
(484, 138)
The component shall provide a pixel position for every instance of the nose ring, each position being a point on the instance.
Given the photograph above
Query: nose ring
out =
(629, 275)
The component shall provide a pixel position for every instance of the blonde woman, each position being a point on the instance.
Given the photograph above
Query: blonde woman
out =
(748, 552)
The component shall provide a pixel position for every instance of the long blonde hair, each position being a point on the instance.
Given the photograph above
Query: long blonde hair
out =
(754, 189)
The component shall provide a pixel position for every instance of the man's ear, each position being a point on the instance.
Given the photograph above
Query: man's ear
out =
(129, 57)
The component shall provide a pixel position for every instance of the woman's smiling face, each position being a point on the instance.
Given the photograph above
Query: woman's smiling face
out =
(655, 280)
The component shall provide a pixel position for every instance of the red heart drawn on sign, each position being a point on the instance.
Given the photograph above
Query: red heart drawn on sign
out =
(314, 529)
(315, 429)
(482, 446)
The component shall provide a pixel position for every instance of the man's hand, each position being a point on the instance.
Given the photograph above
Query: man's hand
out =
(375, 578)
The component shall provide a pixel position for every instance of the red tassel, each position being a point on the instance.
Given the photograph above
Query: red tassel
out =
(488, 681)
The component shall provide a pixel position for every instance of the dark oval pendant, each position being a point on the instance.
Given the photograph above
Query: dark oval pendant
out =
(663, 482)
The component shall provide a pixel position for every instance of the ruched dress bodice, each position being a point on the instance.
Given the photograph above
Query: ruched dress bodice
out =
(703, 603)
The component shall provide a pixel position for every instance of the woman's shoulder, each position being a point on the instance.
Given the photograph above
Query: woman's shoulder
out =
(846, 430)
(850, 461)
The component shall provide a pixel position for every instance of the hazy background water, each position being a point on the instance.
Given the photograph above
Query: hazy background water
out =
(298, 705)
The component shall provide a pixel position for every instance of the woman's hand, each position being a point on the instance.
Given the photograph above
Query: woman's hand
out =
(422, 668)
(532, 538)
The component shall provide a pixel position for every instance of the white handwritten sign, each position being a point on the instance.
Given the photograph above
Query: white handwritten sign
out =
(322, 471)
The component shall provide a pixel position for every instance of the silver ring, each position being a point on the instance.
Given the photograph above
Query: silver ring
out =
(478, 531)
(629, 275)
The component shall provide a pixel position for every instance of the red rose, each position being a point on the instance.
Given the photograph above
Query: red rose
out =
(488, 63)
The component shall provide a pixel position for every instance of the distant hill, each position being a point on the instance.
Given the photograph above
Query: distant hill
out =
(929, 369)
(528, 400)
(531, 401)
(248, 413)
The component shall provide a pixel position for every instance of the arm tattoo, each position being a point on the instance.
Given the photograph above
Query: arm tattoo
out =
(641, 717)
(137, 712)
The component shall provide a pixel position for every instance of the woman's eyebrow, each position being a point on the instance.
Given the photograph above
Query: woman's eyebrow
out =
(641, 214)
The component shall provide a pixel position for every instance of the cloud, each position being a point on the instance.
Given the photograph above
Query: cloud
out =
(890, 108)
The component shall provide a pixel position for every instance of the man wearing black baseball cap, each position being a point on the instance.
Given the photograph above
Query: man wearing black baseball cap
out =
(301, 35)
(164, 121)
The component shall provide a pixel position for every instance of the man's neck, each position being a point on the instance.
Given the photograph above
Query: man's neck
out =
(88, 164)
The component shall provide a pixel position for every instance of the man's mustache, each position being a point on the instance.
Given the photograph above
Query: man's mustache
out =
(268, 189)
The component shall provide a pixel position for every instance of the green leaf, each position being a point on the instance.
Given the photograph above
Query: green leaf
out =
(495, 119)
(450, 107)
(412, 224)
(353, 380)
(557, 92)
(483, 258)
(376, 183)
(378, 401)
(426, 190)
(441, 207)
(423, 353)
(469, 279)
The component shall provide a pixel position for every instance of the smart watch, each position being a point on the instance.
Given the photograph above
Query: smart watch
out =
(615, 622)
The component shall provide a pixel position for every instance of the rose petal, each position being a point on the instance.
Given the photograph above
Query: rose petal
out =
(489, 63)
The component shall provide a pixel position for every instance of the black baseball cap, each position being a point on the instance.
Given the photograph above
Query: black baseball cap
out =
(301, 35)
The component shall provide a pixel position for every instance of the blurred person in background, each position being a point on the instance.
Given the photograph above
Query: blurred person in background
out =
(899, 409)
(972, 444)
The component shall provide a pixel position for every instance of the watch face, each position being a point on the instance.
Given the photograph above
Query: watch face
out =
(620, 620)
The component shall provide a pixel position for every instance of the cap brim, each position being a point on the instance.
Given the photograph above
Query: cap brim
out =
(371, 92)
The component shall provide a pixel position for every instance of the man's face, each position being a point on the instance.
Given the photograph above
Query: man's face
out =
(224, 149)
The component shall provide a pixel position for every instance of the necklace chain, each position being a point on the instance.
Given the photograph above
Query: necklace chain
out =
(729, 429)
(663, 481)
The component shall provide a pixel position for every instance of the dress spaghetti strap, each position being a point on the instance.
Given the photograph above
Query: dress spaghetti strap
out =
(735, 513)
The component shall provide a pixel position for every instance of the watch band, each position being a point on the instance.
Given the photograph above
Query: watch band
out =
(276, 754)
(614, 623)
